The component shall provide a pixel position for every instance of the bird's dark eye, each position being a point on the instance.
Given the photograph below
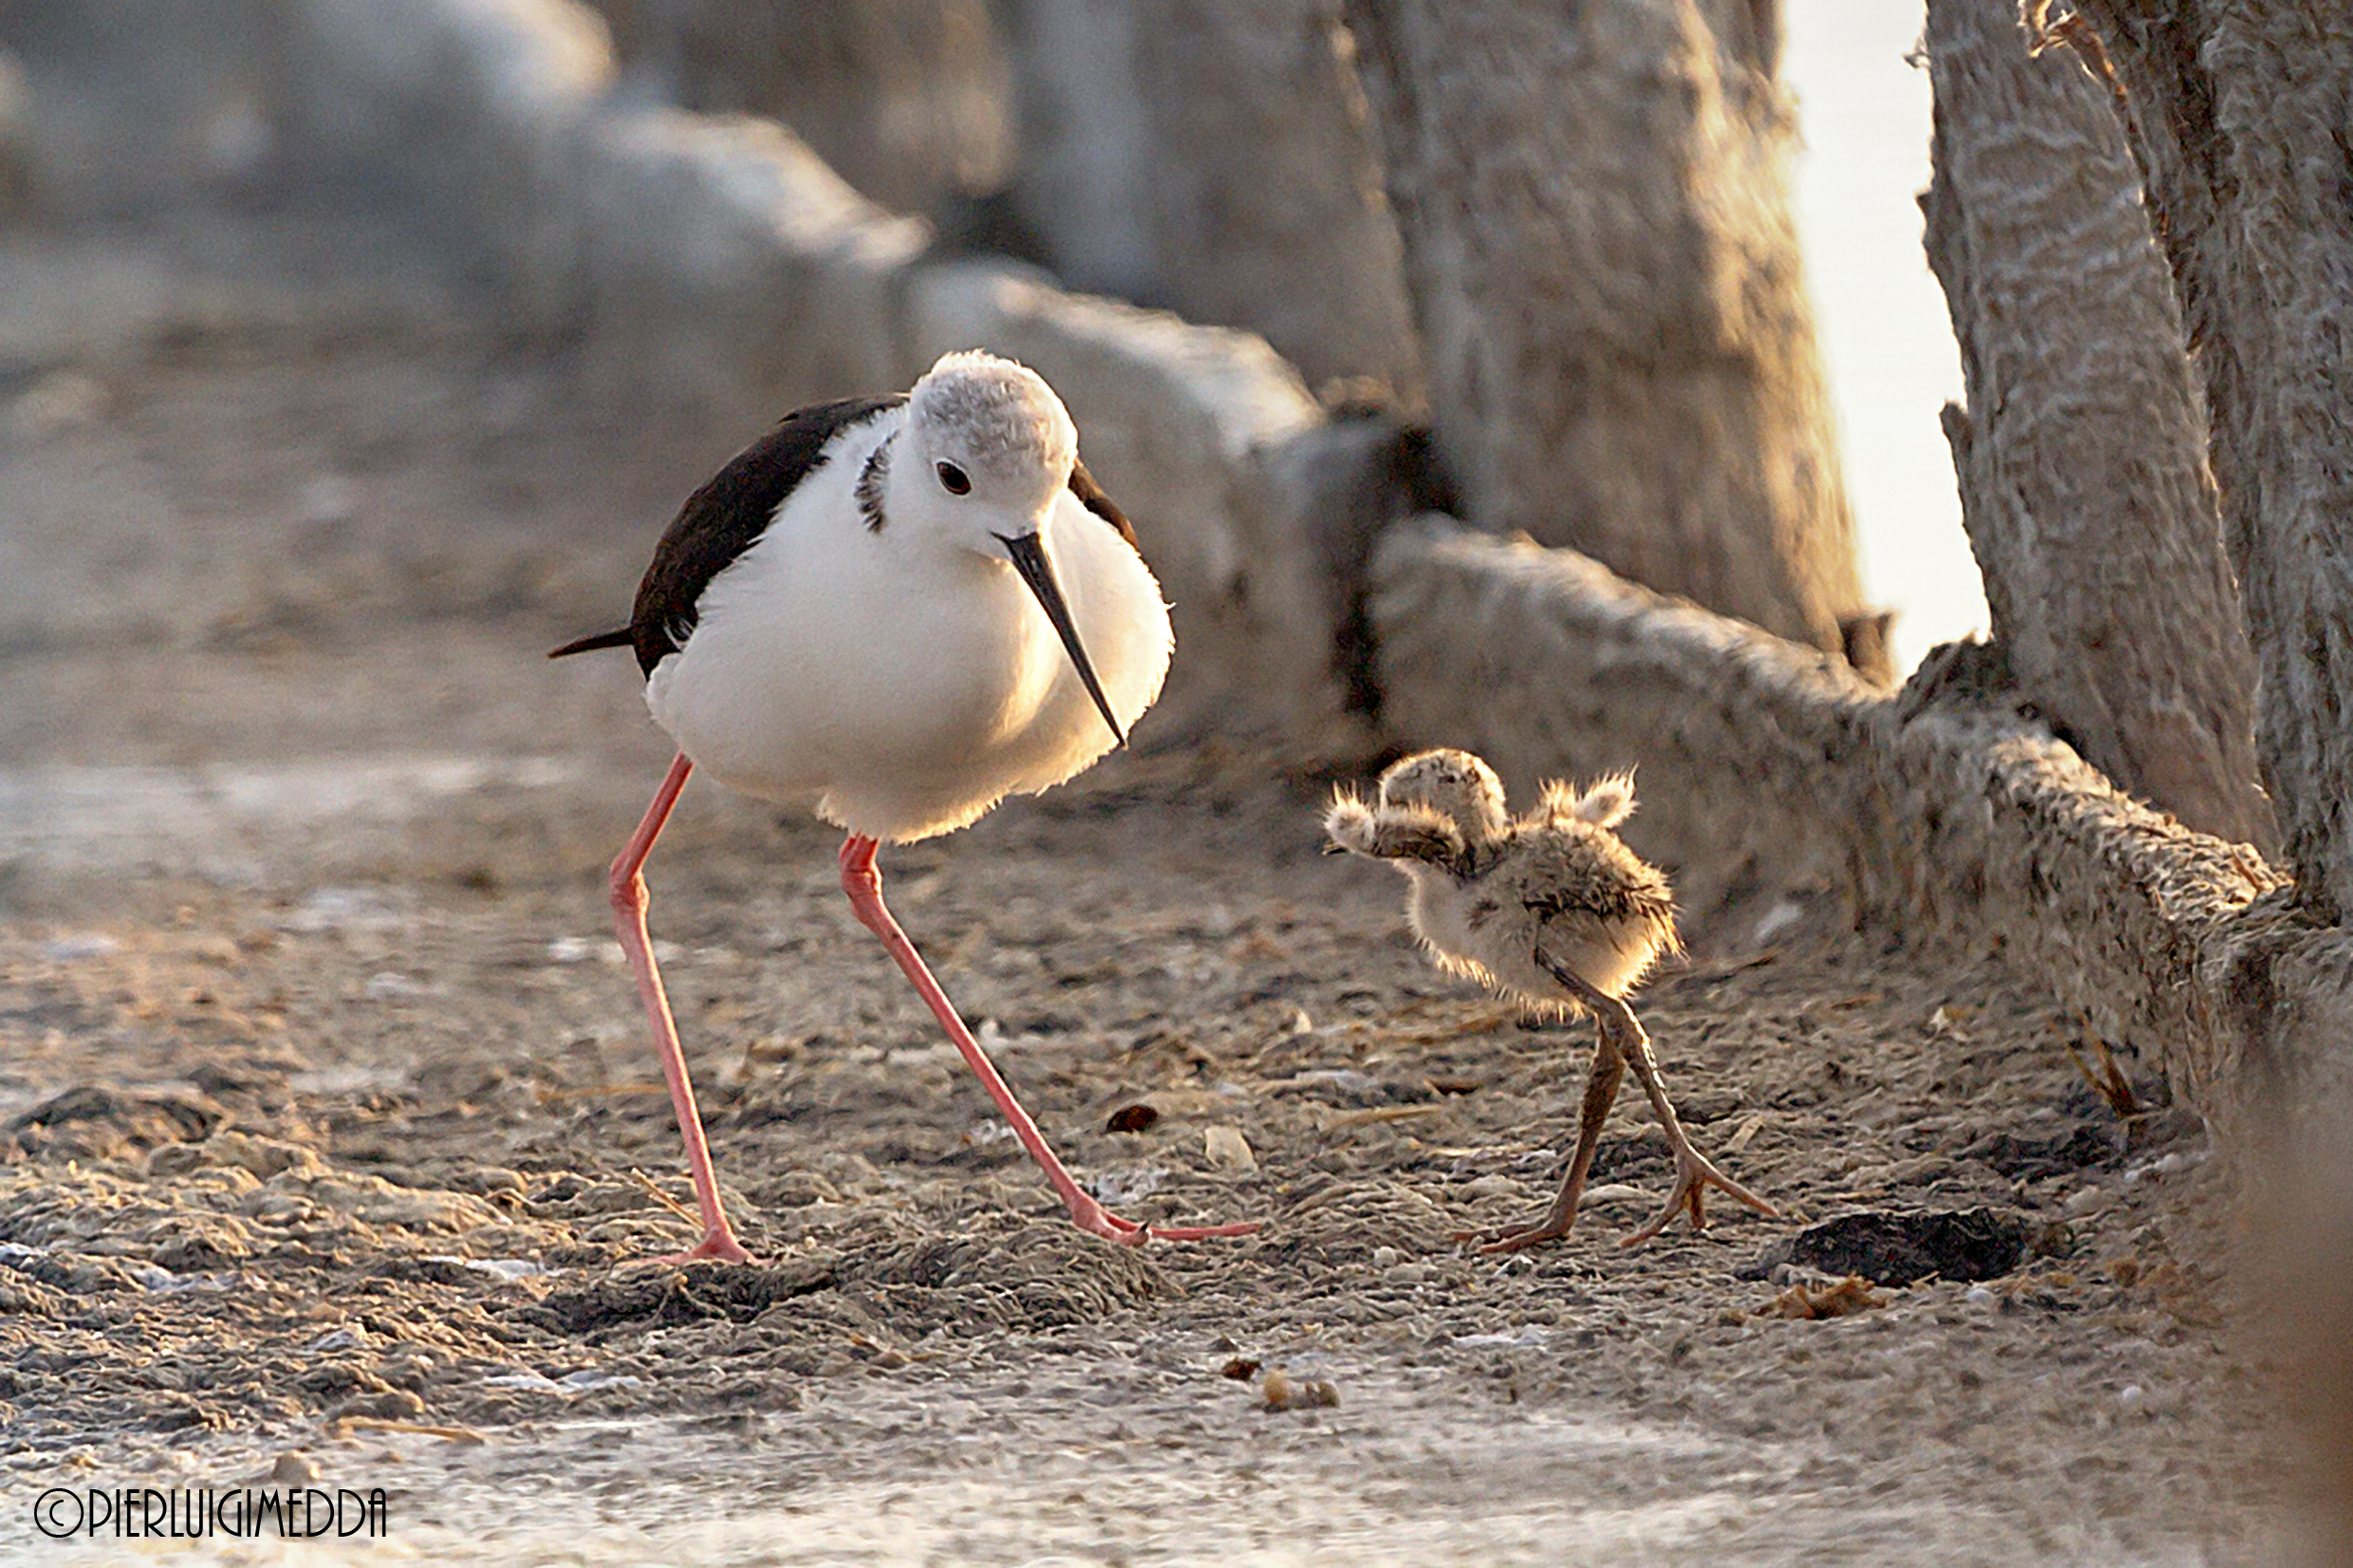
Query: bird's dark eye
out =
(954, 479)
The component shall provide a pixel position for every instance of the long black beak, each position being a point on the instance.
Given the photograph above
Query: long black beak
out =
(1027, 553)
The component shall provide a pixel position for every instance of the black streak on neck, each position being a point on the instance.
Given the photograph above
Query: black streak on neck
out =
(870, 480)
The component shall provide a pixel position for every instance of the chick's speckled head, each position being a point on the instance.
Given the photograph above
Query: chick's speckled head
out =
(998, 419)
(1455, 784)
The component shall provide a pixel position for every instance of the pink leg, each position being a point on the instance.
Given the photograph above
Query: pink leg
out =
(628, 893)
(864, 883)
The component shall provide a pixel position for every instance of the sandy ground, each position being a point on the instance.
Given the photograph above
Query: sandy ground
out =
(330, 1141)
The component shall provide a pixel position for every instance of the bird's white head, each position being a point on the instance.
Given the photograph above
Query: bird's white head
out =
(989, 448)
(990, 451)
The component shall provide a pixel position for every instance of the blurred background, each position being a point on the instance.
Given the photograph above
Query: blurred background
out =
(1015, 128)
(1864, 115)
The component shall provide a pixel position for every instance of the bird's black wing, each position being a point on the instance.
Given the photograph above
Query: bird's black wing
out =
(720, 521)
(1092, 496)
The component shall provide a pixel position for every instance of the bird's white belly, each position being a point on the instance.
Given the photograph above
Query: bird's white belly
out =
(900, 704)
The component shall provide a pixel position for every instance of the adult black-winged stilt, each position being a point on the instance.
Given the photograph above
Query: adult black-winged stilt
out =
(1552, 910)
(897, 610)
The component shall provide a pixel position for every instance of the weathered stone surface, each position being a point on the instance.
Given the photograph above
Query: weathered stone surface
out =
(478, 109)
(1216, 159)
(1594, 203)
(1263, 189)
(725, 267)
(2236, 109)
(2081, 449)
(910, 100)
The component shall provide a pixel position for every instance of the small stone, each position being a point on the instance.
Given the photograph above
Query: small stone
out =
(58, 401)
(325, 498)
(2091, 1200)
(1284, 1392)
(1386, 1258)
(1407, 1275)
(1978, 1295)
(1228, 1149)
(1781, 917)
(2132, 1399)
(293, 1470)
(1131, 1119)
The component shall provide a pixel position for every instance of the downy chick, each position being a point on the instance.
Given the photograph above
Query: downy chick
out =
(1552, 911)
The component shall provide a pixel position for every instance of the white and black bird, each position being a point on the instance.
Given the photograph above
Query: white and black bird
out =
(897, 611)
(1552, 909)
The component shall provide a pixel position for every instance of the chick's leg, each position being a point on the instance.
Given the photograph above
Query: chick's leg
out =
(1601, 1081)
(1694, 1171)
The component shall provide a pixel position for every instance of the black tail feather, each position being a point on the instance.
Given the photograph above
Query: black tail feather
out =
(621, 639)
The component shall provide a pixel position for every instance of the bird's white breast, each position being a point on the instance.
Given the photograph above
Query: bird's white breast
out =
(902, 685)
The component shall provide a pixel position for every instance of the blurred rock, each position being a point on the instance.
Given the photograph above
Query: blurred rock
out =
(16, 142)
(58, 401)
(1214, 159)
(907, 99)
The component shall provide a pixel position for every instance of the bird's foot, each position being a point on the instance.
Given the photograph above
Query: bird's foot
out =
(720, 1246)
(1519, 1237)
(1095, 1220)
(1694, 1174)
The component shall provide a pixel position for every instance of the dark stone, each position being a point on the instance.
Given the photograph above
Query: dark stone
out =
(2071, 1148)
(1900, 1249)
(664, 1298)
(145, 1119)
(1615, 1159)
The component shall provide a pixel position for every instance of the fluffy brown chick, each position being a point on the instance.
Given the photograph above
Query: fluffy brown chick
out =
(1552, 909)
